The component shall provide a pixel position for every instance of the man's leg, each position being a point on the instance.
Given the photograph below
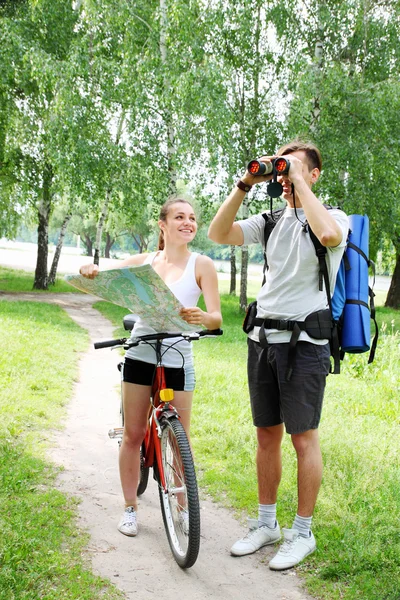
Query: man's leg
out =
(269, 462)
(309, 470)
(299, 541)
(264, 530)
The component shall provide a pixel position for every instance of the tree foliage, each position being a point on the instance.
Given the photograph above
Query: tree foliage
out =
(110, 103)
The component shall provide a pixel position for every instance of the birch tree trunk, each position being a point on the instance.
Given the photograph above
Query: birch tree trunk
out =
(244, 264)
(88, 243)
(318, 56)
(249, 144)
(168, 121)
(232, 288)
(109, 244)
(104, 211)
(103, 216)
(44, 210)
(393, 297)
(57, 254)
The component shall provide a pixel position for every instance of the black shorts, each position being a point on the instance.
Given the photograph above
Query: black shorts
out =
(296, 403)
(142, 373)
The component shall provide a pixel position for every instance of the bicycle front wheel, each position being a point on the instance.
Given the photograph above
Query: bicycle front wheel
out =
(180, 500)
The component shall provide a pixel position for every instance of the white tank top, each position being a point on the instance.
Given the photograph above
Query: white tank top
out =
(188, 293)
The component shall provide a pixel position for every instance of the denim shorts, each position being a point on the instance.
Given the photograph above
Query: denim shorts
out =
(142, 373)
(296, 403)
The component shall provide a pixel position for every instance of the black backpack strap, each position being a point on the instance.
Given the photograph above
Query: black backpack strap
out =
(323, 276)
(371, 294)
(295, 327)
(271, 220)
(371, 307)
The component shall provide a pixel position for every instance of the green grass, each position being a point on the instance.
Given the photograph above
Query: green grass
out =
(356, 520)
(14, 280)
(41, 549)
(253, 286)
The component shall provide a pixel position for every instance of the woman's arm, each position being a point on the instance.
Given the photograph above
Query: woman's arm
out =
(91, 270)
(207, 280)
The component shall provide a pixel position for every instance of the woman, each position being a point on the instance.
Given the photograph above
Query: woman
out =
(188, 275)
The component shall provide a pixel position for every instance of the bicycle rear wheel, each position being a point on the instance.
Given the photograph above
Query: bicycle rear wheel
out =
(180, 502)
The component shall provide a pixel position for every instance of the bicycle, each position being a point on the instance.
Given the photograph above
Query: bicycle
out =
(166, 449)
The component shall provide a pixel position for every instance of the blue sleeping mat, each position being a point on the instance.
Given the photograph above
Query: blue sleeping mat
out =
(356, 332)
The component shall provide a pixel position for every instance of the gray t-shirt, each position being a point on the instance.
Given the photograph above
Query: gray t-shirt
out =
(291, 288)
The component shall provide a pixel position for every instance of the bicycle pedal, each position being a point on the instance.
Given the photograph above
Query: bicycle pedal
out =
(116, 433)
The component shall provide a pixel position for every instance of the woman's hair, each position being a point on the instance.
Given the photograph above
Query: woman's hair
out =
(163, 216)
(311, 151)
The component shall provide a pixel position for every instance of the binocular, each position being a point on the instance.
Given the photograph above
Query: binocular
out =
(277, 166)
(280, 165)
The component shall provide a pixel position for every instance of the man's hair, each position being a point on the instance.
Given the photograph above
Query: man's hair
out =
(311, 151)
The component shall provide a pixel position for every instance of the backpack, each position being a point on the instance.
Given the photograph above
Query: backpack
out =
(346, 323)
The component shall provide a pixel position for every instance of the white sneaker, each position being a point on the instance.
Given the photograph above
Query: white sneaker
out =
(128, 523)
(293, 550)
(256, 538)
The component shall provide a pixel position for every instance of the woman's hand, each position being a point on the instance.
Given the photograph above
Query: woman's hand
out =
(193, 315)
(90, 271)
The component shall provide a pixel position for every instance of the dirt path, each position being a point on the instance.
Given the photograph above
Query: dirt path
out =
(143, 567)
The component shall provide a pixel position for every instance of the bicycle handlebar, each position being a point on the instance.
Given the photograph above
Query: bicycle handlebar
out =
(109, 343)
(189, 336)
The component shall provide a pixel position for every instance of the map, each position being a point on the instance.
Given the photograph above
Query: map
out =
(141, 291)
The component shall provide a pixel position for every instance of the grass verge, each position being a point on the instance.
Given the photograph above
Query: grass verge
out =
(356, 521)
(14, 280)
(41, 549)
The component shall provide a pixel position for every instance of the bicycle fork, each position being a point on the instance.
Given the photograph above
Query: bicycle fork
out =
(153, 435)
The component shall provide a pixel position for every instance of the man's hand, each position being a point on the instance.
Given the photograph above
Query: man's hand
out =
(253, 179)
(90, 271)
(296, 169)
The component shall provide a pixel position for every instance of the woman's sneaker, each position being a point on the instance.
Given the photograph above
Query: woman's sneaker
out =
(128, 522)
(256, 538)
(293, 550)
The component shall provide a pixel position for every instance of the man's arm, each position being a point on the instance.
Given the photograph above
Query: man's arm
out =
(223, 228)
(321, 222)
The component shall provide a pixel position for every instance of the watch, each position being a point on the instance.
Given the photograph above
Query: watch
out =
(245, 187)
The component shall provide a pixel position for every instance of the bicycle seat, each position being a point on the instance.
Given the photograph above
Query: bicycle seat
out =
(129, 321)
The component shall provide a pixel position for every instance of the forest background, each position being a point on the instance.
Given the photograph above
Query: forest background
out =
(106, 108)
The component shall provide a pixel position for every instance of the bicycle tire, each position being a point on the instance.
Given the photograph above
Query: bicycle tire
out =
(181, 495)
(144, 473)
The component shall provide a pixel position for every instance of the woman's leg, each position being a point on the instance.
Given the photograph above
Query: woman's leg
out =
(183, 404)
(136, 400)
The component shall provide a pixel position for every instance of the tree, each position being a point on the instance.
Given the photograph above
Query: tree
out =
(36, 39)
(242, 120)
(57, 253)
(354, 87)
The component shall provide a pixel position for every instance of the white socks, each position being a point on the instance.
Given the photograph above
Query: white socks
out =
(267, 515)
(303, 525)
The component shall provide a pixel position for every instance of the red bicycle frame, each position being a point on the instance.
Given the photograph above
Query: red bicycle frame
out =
(159, 407)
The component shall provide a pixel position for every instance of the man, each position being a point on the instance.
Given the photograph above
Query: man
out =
(291, 292)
